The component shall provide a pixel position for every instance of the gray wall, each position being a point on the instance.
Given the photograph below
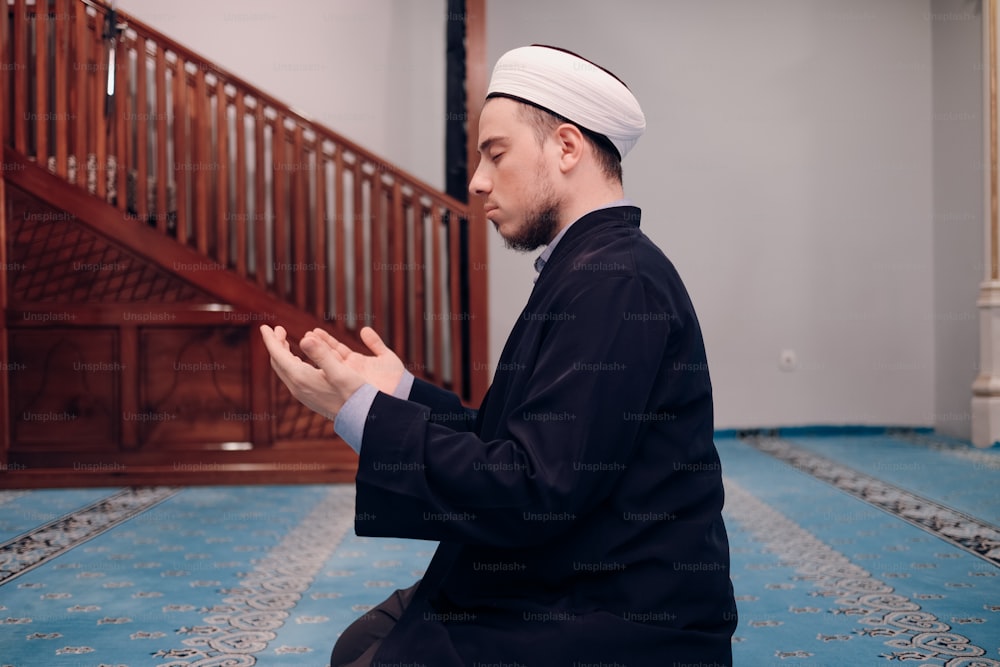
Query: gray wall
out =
(787, 170)
(958, 207)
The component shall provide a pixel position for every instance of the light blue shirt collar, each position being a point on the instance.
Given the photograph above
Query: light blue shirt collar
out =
(544, 257)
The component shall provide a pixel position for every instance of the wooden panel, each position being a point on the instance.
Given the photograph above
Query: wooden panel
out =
(65, 391)
(194, 386)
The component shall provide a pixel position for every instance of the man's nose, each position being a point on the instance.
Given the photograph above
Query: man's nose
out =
(479, 184)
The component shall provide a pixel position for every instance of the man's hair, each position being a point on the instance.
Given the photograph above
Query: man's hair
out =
(544, 122)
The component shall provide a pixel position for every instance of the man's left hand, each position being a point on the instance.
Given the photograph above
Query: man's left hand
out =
(324, 389)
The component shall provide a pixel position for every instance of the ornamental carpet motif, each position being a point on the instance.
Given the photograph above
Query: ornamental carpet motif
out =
(870, 549)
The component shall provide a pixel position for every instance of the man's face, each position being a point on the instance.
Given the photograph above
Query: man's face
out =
(515, 178)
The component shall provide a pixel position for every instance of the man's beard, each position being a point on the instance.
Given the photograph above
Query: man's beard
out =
(539, 228)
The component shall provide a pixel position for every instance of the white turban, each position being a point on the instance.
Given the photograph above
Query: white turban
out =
(572, 87)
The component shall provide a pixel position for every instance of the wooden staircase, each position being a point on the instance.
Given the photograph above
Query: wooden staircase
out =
(156, 210)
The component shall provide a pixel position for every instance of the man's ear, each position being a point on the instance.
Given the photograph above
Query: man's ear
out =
(570, 142)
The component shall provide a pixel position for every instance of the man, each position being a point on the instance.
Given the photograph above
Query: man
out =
(579, 509)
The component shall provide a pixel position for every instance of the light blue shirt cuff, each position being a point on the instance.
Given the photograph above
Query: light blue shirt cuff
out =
(350, 421)
(405, 385)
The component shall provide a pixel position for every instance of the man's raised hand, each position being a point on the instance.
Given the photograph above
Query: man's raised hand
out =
(323, 388)
(382, 368)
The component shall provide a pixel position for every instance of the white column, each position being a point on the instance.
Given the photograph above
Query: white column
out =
(986, 387)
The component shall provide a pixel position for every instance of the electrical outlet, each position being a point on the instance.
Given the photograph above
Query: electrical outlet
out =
(788, 360)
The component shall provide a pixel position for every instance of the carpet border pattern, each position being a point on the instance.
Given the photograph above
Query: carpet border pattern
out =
(41, 544)
(978, 537)
(911, 633)
(247, 619)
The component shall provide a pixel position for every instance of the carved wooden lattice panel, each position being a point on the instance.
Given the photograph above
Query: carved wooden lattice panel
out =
(59, 260)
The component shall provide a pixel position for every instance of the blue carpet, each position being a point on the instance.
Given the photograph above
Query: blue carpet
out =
(825, 578)
(860, 550)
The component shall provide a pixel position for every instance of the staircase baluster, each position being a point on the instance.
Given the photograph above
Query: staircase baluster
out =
(319, 247)
(340, 248)
(21, 76)
(279, 240)
(139, 125)
(80, 93)
(201, 118)
(300, 219)
(223, 228)
(362, 268)
(375, 316)
(180, 156)
(239, 215)
(97, 78)
(417, 275)
(61, 117)
(260, 195)
(397, 282)
(452, 311)
(41, 79)
(122, 146)
(162, 138)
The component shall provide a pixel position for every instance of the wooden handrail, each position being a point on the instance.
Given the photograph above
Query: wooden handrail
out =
(260, 189)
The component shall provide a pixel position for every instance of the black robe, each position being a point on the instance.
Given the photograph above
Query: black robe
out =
(579, 509)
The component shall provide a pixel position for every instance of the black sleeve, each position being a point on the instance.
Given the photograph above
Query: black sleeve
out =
(446, 408)
(420, 479)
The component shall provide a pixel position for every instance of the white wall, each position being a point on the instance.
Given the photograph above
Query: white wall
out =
(374, 71)
(787, 171)
(958, 207)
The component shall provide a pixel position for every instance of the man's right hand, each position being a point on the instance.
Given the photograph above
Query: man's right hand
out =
(382, 368)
